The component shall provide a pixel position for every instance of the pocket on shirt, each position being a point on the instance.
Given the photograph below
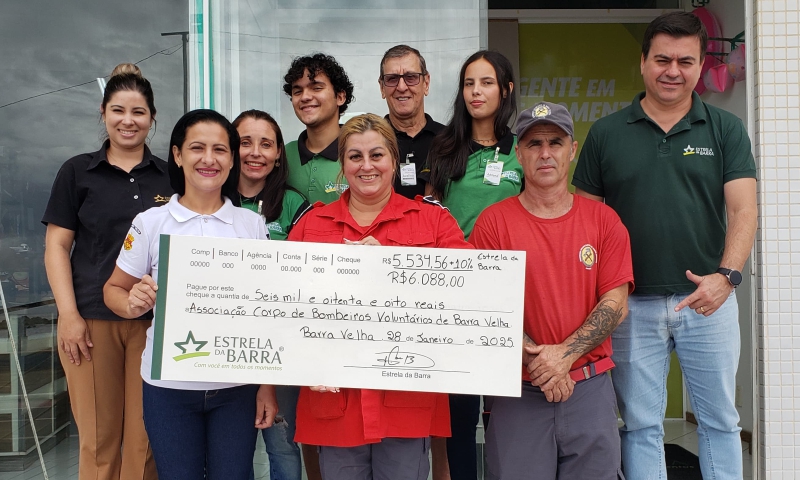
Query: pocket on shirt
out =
(395, 399)
(327, 405)
(411, 238)
(323, 236)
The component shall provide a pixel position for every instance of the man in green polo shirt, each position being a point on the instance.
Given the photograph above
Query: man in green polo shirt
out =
(320, 92)
(681, 176)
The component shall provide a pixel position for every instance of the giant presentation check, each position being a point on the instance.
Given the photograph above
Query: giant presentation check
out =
(287, 313)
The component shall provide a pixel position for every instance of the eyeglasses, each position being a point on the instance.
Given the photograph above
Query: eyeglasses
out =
(393, 79)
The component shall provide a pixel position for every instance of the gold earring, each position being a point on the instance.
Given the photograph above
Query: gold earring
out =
(277, 164)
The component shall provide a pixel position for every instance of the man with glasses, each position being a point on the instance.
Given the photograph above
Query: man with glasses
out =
(404, 83)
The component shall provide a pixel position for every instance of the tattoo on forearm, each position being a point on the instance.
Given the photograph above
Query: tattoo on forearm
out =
(527, 339)
(601, 322)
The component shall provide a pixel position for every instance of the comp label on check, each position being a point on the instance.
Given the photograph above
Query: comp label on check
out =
(289, 313)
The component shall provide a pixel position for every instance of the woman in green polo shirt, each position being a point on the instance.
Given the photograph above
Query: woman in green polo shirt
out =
(473, 165)
(262, 182)
(263, 189)
(472, 161)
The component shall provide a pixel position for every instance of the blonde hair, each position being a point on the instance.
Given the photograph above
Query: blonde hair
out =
(126, 69)
(364, 123)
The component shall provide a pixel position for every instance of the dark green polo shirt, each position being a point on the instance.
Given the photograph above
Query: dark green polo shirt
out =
(667, 187)
(469, 195)
(315, 175)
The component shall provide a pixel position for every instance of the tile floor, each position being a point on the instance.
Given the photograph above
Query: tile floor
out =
(62, 461)
(685, 434)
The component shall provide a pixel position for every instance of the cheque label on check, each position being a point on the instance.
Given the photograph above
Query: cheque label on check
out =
(287, 313)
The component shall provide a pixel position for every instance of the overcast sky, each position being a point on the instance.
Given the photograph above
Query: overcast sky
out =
(46, 45)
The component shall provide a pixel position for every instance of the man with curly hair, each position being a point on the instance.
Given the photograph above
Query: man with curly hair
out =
(320, 92)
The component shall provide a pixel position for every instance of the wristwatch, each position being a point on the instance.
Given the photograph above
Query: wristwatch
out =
(733, 276)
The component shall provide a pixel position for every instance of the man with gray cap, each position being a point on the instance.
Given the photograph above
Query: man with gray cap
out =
(577, 280)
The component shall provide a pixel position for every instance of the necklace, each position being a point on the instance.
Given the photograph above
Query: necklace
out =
(488, 140)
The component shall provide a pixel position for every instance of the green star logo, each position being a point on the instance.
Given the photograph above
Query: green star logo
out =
(190, 348)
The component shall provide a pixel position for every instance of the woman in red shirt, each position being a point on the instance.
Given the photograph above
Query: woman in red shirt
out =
(374, 433)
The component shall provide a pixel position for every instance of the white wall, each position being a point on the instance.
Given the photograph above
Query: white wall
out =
(777, 139)
(730, 15)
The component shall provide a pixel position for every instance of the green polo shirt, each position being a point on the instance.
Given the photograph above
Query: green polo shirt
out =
(469, 195)
(315, 175)
(293, 206)
(667, 187)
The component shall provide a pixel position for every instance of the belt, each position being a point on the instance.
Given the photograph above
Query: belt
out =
(591, 369)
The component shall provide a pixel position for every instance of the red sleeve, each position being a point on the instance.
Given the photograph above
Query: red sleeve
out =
(449, 234)
(483, 236)
(298, 231)
(616, 267)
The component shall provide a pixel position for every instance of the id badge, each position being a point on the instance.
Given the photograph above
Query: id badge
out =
(408, 174)
(494, 170)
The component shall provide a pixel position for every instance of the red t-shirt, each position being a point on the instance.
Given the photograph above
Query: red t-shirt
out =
(358, 416)
(571, 262)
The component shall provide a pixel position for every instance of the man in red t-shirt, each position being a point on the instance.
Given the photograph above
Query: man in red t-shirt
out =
(577, 280)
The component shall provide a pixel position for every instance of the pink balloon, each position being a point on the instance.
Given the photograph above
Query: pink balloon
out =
(717, 79)
(714, 46)
(736, 63)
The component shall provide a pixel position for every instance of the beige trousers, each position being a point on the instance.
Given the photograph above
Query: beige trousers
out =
(106, 398)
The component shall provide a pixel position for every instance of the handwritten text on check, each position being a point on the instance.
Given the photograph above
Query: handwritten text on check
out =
(286, 313)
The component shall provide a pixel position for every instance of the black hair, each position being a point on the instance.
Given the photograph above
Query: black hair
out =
(177, 180)
(128, 77)
(676, 25)
(271, 195)
(400, 51)
(316, 64)
(451, 148)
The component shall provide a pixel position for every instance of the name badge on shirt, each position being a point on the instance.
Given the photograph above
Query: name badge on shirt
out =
(408, 172)
(494, 170)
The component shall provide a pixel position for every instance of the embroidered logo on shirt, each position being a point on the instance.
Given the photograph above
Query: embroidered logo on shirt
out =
(588, 256)
(706, 152)
(510, 175)
(274, 227)
(160, 199)
(128, 243)
(331, 187)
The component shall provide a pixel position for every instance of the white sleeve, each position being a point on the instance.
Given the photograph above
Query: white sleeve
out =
(134, 258)
(262, 232)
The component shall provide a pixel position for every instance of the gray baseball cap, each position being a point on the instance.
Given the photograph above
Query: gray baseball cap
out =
(544, 112)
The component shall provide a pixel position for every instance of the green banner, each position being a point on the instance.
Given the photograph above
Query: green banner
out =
(591, 69)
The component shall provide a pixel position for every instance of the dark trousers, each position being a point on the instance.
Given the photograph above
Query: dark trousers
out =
(461, 447)
(198, 434)
(389, 459)
(533, 439)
